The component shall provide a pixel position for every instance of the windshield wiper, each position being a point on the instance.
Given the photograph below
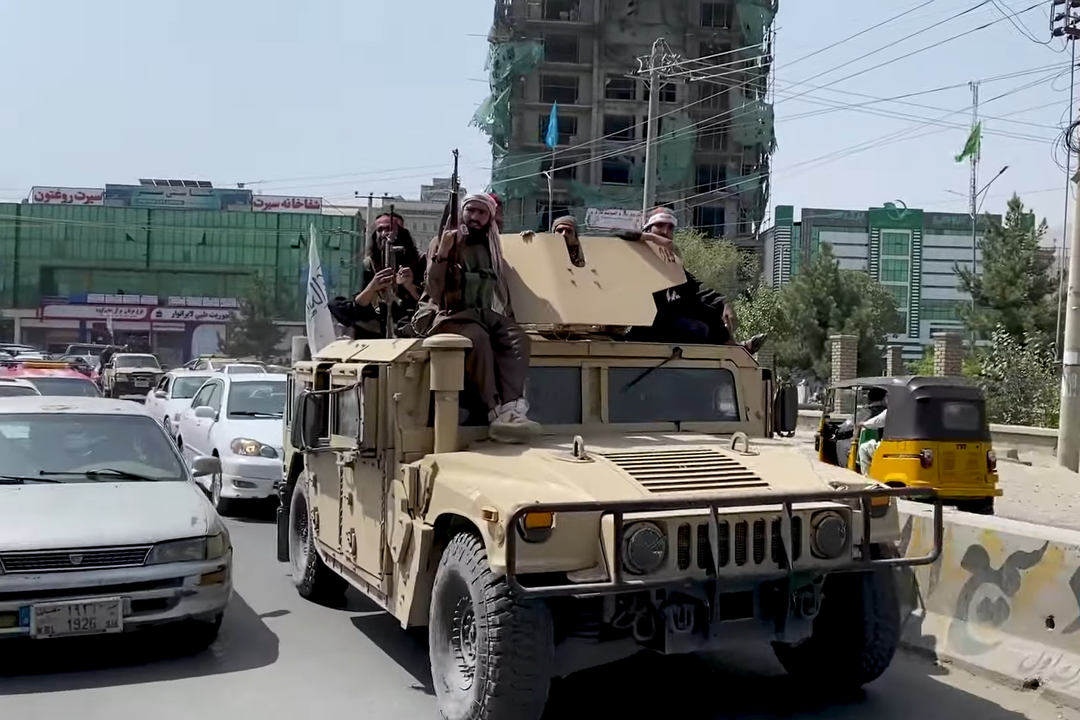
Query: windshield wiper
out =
(252, 413)
(20, 479)
(104, 472)
(676, 354)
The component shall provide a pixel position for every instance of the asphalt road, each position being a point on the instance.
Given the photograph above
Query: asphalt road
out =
(280, 657)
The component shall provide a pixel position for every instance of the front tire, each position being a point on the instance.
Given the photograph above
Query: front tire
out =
(197, 635)
(492, 657)
(855, 634)
(224, 506)
(312, 578)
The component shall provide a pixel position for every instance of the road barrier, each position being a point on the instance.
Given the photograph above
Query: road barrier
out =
(1019, 437)
(1003, 599)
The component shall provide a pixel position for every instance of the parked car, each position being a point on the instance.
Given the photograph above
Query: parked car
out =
(14, 387)
(173, 395)
(237, 418)
(102, 528)
(85, 349)
(242, 368)
(50, 377)
(216, 363)
(129, 376)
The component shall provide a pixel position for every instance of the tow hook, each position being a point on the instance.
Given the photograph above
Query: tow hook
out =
(806, 602)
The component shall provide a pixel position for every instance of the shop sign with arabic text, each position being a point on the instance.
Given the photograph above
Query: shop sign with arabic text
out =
(67, 196)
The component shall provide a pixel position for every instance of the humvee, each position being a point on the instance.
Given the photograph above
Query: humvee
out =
(655, 512)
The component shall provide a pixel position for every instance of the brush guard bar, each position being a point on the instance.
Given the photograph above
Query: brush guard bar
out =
(618, 581)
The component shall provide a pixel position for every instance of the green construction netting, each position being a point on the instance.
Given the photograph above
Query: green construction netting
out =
(506, 63)
(755, 17)
(675, 159)
(755, 126)
(515, 175)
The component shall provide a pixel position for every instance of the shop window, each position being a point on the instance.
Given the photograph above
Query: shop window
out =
(619, 127)
(562, 89)
(567, 128)
(618, 87)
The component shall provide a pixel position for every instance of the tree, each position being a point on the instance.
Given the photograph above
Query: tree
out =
(758, 309)
(253, 332)
(1013, 291)
(717, 264)
(823, 300)
(1020, 380)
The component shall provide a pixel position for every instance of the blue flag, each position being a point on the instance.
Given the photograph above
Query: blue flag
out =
(551, 139)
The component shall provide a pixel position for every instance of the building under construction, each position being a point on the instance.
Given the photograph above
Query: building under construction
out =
(715, 129)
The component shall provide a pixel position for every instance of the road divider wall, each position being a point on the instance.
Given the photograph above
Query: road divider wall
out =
(1002, 600)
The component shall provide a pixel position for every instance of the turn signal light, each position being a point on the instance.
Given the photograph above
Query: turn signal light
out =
(926, 457)
(535, 527)
(991, 461)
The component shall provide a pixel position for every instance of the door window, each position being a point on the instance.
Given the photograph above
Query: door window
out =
(214, 399)
(202, 397)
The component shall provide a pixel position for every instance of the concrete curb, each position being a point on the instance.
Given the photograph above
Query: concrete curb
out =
(1003, 600)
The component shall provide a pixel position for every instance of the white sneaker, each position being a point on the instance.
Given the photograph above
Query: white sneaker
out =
(511, 423)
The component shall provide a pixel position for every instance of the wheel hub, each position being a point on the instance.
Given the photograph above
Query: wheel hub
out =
(463, 639)
(298, 550)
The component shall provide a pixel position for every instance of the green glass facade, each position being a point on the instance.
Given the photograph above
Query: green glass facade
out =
(57, 252)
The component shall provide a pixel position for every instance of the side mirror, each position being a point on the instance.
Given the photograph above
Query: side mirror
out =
(312, 419)
(206, 412)
(161, 394)
(204, 465)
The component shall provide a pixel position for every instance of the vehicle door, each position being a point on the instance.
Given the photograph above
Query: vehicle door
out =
(154, 404)
(363, 490)
(189, 425)
(204, 432)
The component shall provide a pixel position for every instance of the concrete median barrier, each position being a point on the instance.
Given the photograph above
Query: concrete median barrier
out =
(1003, 599)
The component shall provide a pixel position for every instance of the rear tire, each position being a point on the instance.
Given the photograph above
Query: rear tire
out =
(312, 578)
(492, 657)
(856, 632)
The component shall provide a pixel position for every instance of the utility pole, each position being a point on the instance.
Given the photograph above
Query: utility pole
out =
(974, 191)
(653, 83)
(1068, 444)
(367, 218)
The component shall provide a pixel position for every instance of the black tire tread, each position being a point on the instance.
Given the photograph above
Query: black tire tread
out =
(515, 666)
(318, 583)
(856, 633)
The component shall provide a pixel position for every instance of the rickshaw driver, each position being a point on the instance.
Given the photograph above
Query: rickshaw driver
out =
(866, 449)
(845, 434)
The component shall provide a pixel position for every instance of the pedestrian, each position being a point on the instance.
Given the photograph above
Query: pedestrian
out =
(466, 293)
(364, 314)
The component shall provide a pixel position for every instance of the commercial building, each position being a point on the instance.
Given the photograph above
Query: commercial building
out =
(715, 135)
(912, 253)
(163, 264)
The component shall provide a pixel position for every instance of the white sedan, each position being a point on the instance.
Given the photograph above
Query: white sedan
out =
(173, 395)
(237, 418)
(102, 528)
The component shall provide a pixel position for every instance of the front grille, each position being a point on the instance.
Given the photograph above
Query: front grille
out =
(667, 471)
(77, 559)
(754, 543)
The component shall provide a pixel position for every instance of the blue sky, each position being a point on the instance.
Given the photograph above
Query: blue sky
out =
(330, 97)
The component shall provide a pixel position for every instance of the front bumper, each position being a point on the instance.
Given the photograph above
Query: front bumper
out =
(250, 478)
(152, 595)
(619, 581)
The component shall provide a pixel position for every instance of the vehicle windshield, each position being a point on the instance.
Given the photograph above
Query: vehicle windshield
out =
(64, 386)
(48, 446)
(257, 399)
(132, 361)
(186, 386)
(16, 390)
(667, 394)
(94, 350)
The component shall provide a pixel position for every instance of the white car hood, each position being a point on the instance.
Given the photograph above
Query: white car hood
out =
(268, 431)
(72, 515)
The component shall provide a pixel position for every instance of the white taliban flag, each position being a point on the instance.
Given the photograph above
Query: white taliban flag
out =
(320, 324)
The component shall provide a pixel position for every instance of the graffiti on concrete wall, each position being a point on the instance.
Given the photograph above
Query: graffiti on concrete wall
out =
(986, 596)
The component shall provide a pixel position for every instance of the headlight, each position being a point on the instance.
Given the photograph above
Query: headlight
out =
(247, 446)
(193, 550)
(645, 548)
(828, 534)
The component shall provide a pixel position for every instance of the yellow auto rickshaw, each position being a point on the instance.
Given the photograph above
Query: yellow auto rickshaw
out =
(935, 434)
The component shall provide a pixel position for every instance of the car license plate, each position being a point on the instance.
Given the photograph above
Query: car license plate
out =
(91, 617)
(142, 382)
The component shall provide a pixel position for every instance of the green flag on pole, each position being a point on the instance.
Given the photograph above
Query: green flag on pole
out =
(971, 147)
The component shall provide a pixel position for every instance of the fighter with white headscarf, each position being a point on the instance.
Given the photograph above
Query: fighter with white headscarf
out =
(466, 293)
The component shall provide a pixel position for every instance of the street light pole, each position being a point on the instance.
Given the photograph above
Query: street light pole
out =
(974, 197)
(655, 60)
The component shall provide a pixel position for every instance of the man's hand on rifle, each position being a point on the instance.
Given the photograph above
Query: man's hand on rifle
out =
(382, 280)
(447, 243)
(405, 279)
